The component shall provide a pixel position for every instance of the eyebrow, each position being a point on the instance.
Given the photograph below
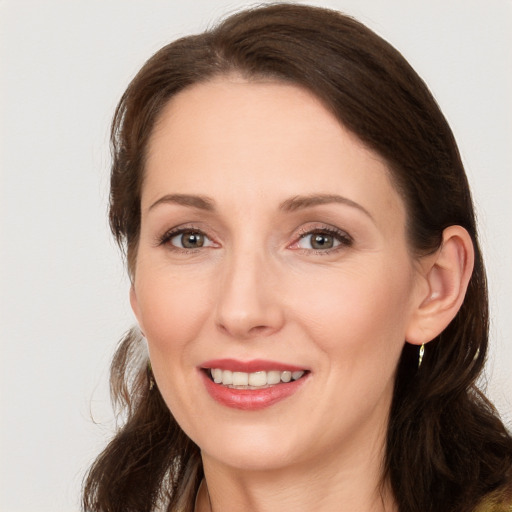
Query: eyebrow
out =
(290, 205)
(200, 202)
(300, 202)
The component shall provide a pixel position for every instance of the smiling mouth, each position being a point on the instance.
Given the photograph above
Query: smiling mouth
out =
(253, 380)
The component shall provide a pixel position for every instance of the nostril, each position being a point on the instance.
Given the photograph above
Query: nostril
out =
(240, 330)
(258, 329)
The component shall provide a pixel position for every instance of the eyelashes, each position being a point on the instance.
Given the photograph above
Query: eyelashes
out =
(317, 239)
(186, 239)
(323, 240)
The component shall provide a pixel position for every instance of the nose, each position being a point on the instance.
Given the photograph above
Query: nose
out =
(249, 300)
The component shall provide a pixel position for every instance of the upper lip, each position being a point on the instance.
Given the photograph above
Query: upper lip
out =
(254, 365)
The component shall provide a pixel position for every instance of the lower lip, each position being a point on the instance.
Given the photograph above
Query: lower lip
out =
(251, 399)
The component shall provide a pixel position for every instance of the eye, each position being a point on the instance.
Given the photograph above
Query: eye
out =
(322, 240)
(318, 241)
(186, 238)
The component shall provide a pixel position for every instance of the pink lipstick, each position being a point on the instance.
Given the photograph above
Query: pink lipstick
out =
(254, 365)
(251, 385)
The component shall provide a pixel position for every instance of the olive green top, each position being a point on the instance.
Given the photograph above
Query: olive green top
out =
(495, 503)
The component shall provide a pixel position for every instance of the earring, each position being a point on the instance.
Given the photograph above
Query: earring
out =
(422, 351)
(150, 376)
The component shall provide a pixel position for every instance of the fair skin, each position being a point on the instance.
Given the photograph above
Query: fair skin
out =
(295, 252)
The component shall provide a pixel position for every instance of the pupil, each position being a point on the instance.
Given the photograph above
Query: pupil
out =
(192, 240)
(322, 241)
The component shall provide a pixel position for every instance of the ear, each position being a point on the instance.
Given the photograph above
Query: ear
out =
(446, 274)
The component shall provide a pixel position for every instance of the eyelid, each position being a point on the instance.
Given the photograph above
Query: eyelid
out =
(343, 237)
(168, 235)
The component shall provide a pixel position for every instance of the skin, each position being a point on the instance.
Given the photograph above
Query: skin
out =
(257, 289)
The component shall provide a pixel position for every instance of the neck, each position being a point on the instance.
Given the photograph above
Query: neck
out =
(354, 485)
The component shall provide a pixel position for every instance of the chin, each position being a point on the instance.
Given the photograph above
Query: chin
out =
(275, 444)
(251, 454)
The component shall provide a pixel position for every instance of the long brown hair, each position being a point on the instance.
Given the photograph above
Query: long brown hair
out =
(446, 447)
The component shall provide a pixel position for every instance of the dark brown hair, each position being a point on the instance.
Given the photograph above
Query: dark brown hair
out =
(446, 447)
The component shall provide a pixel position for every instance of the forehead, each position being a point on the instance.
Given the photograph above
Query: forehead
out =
(264, 138)
(230, 110)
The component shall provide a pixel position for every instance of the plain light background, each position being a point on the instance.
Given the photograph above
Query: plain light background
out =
(64, 296)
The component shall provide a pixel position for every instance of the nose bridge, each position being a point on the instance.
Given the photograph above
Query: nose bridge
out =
(247, 305)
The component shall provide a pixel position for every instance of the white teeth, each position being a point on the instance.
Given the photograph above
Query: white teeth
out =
(258, 379)
(273, 377)
(227, 377)
(254, 379)
(240, 379)
(217, 376)
(286, 376)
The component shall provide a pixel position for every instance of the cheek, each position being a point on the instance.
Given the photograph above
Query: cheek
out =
(358, 317)
(172, 309)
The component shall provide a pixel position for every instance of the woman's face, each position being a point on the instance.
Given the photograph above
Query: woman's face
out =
(272, 242)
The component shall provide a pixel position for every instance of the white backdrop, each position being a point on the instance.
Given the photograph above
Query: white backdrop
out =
(64, 297)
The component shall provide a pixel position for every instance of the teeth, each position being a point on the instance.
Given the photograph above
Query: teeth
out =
(273, 377)
(227, 377)
(240, 379)
(217, 376)
(258, 379)
(286, 376)
(253, 380)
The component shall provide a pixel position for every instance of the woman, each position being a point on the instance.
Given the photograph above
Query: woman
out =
(305, 268)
